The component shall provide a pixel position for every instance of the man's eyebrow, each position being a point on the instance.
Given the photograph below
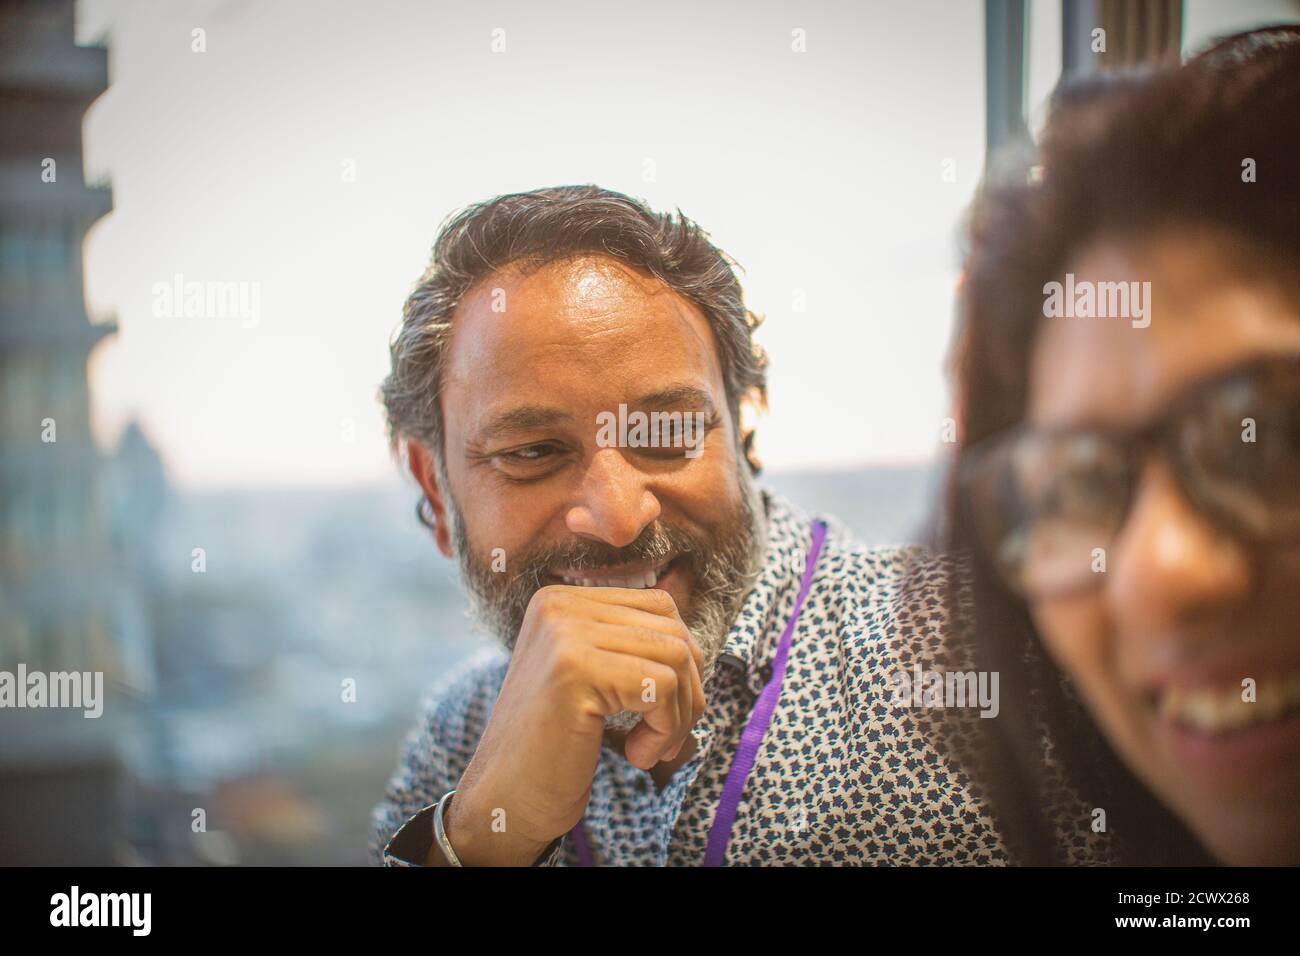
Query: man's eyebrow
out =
(690, 396)
(526, 417)
(522, 418)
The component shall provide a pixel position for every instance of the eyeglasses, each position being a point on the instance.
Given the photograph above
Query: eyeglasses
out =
(1043, 501)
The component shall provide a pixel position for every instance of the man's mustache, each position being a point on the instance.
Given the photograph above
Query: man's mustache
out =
(656, 543)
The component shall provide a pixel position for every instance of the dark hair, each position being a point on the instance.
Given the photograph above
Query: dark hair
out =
(533, 229)
(1122, 157)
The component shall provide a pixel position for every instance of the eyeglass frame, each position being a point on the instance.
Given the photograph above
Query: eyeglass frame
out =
(1161, 435)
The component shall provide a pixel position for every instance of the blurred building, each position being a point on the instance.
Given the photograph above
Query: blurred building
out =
(64, 603)
(52, 532)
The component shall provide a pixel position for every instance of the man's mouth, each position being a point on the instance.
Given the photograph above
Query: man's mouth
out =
(1221, 709)
(615, 577)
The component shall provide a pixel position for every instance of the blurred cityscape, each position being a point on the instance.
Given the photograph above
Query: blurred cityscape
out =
(264, 652)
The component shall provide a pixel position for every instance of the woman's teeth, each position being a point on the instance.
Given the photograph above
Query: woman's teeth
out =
(586, 579)
(1222, 710)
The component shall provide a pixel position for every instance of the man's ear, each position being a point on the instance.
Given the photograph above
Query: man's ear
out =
(420, 460)
(754, 402)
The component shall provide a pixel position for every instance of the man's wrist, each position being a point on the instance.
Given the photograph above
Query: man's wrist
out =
(472, 836)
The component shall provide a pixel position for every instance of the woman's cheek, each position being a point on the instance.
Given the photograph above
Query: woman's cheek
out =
(1077, 634)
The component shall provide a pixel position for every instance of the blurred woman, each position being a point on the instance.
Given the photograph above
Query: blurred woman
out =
(1127, 482)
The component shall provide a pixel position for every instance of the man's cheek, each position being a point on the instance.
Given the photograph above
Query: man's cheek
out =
(708, 488)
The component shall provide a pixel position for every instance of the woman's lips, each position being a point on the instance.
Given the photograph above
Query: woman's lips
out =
(1225, 740)
(1239, 757)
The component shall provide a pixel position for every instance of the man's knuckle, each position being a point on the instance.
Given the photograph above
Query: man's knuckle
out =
(666, 678)
(679, 653)
(569, 657)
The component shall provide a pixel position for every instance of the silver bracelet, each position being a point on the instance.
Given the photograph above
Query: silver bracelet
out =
(440, 834)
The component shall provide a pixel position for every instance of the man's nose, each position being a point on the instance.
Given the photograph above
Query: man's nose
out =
(613, 504)
(1171, 563)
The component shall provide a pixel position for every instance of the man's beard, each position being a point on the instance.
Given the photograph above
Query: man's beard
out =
(719, 572)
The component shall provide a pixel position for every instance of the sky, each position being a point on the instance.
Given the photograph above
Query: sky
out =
(312, 149)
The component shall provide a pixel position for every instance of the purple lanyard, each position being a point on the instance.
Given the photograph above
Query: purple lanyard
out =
(759, 720)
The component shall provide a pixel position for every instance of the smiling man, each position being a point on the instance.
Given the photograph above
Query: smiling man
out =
(694, 672)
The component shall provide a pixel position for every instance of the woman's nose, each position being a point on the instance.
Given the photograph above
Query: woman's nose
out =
(1171, 563)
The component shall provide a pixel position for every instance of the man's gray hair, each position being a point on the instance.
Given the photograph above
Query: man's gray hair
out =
(533, 229)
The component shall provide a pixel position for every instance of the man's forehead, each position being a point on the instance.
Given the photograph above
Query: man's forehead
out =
(583, 330)
(573, 289)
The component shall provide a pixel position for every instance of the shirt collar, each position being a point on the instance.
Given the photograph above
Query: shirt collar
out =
(753, 638)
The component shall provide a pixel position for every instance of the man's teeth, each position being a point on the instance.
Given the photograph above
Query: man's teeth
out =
(585, 579)
(1221, 710)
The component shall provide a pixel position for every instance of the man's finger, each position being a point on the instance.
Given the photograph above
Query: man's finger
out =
(678, 652)
(654, 600)
(656, 633)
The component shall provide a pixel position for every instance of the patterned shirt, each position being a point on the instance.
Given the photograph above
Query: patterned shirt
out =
(844, 774)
